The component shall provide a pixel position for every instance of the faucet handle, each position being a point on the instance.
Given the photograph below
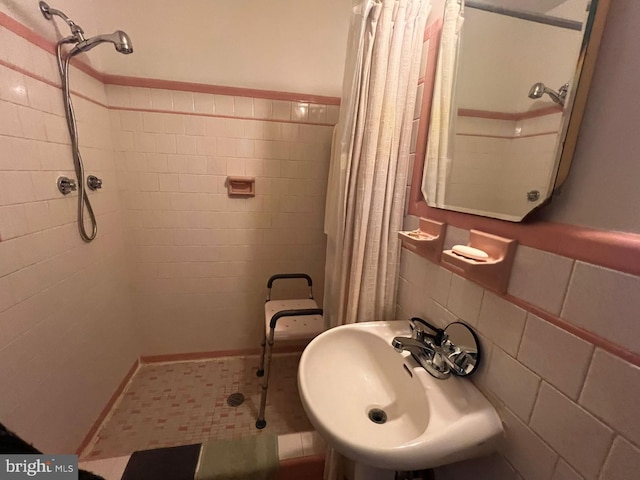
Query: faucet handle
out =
(438, 335)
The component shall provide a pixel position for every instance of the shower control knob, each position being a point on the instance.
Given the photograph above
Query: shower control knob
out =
(66, 185)
(94, 182)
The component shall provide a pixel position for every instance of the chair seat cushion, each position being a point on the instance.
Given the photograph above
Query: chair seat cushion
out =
(293, 328)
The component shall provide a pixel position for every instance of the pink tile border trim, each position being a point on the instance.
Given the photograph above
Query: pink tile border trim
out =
(197, 114)
(541, 112)
(615, 250)
(107, 408)
(506, 137)
(178, 357)
(150, 110)
(217, 89)
(22, 31)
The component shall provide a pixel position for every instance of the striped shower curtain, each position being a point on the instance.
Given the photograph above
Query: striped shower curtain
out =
(370, 159)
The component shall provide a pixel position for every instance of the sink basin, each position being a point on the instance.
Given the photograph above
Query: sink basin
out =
(350, 378)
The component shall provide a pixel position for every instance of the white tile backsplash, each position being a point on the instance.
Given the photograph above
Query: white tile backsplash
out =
(611, 392)
(514, 384)
(532, 457)
(563, 429)
(540, 278)
(597, 293)
(465, 299)
(623, 462)
(546, 349)
(580, 438)
(502, 321)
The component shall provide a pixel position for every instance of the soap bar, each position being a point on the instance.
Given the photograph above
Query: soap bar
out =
(470, 252)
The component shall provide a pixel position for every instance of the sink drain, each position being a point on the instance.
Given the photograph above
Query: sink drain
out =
(235, 399)
(377, 416)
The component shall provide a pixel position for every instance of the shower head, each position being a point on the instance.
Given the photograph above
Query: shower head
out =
(120, 40)
(539, 89)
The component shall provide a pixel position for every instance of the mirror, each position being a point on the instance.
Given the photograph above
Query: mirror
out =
(461, 349)
(505, 108)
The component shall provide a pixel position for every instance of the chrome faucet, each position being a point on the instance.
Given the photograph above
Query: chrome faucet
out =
(425, 347)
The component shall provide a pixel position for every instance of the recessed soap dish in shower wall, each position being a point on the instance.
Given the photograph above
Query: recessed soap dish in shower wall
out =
(241, 186)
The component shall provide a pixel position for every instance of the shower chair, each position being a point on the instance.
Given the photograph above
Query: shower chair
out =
(297, 319)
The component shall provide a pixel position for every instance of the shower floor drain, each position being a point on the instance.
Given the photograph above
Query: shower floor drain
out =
(235, 399)
(377, 416)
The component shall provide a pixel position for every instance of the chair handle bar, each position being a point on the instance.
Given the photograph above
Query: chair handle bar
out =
(293, 313)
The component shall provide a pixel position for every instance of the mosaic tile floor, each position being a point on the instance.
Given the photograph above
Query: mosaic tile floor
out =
(181, 403)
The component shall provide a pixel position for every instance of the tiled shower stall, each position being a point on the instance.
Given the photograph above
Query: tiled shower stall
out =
(178, 266)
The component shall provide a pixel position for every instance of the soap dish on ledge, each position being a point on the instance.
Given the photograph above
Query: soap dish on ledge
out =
(427, 240)
(491, 270)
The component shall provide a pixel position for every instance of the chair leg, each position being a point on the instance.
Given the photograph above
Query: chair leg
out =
(261, 422)
(260, 371)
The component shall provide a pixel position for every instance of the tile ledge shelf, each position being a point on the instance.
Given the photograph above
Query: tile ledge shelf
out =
(614, 250)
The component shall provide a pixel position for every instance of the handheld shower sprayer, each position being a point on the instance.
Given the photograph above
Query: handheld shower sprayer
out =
(120, 39)
(539, 89)
(80, 43)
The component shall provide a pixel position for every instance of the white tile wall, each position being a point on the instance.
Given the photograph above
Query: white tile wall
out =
(611, 392)
(623, 462)
(202, 259)
(569, 409)
(66, 339)
(596, 293)
(198, 261)
(540, 278)
(502, 321)
(579, 437)
(512, 383)
(545, 349)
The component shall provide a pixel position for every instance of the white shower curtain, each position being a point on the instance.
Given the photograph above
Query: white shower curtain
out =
(444, 108)
(370, 156)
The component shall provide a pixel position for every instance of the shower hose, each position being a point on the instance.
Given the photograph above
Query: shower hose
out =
(83, 198)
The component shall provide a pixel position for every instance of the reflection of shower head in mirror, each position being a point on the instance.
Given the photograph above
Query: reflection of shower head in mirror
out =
(539, 89)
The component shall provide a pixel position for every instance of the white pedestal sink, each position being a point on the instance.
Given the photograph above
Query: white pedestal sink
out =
(350, 377)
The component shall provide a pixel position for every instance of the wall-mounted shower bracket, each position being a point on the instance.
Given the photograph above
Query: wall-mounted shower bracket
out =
(93, 182)
(66, 185)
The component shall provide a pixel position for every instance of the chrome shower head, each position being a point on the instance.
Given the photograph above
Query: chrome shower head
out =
(539, 89)
(120, 40)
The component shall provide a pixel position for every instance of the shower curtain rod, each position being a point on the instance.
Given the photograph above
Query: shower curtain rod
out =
(530, 16)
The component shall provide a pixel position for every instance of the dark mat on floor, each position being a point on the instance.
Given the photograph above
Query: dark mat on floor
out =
(175, 463)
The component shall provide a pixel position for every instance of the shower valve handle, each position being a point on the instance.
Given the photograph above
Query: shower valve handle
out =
(66, 185)
(94, 182)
